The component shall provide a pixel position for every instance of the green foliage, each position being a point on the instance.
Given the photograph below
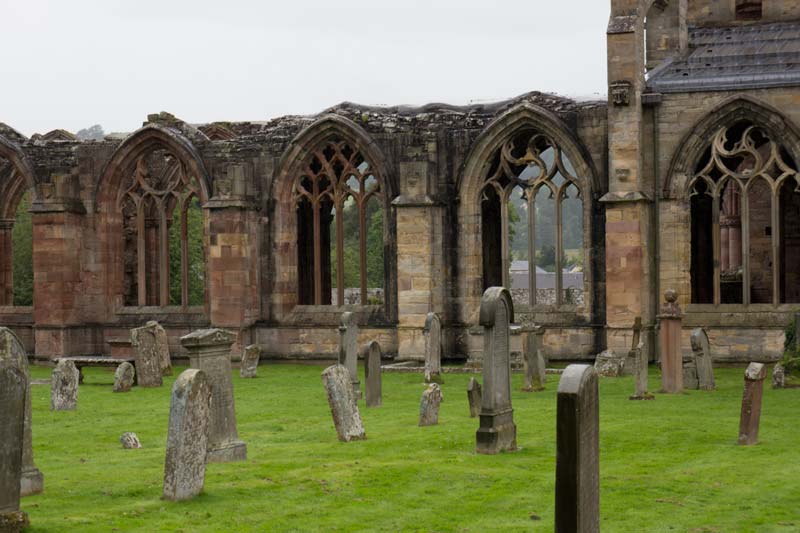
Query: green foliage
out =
(197, 265)
(22, 245)
(352, 243)
(791, 356)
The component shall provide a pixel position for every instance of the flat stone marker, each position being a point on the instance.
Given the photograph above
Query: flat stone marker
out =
(343, 403)
(751, 403)
(13, 390)
(429, 405)
(433, 348)
(372, 370)
(474, 398)
(64, 386)
(123, 377)
(12, 352)
(702, 357)
(497, 432)
(533, 361)
(187, 436)
(348, 349)
(210, 351)
(578, 451)
(147, 351)
(669, 337)
(130, 441)
(640, 374)
(162, 345)
(248, 368)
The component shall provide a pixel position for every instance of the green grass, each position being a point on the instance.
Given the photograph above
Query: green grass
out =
(666, 465)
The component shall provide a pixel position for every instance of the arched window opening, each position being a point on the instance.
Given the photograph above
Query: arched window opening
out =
(789, 274)
(22, 247)
(749, 9)
(16, 238)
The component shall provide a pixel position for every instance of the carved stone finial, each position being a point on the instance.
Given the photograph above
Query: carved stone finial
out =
(620, 92)
(671, 307)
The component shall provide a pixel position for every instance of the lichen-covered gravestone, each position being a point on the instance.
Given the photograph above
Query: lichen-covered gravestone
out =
(162, 345)
(343, 403)
(12, 352)
(13, 390)
(64, 386)
(123, 377)
(669, 338)
(372, 370)
(751, 403)
(497, 432)
(210, 351)
(248, 368)
(578, 450)
(429, 405)
(533, 361)
(474, 398)
(701, 349)
(187, 436)
(778, 376)
(609, 364)
(147, 351)
(433, 348)
(348, 349)
(130, 441)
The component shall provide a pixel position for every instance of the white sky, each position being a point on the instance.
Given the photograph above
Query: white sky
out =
(73, 63)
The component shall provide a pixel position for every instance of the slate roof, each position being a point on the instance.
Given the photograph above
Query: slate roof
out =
(728, 58)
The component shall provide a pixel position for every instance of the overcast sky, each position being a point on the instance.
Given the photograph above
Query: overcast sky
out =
(73, 63)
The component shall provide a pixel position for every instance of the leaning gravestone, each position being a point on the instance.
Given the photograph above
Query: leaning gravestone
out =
(64, 386)
(497, 431)
(372, 370)
(609, 364)
(669, 338)
(429, 405)
(578, 451)
(640, 374)
(348, 349)
(533, 361)
(12, 352)
(187, 436)
(343, 403)
(147, 351)
(433, 348)
(701, 349)
(474, 398)
(248, 368)
(751, 403)
(123, 377)
(13, 390)
(162, 345)
(210, 351)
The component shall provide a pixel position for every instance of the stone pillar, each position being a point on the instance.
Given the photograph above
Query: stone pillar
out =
(433, 349)
(372, 369)
(497, 431)
(6, 262)
(209, 351)
(751, 403)
(578, 451)
(13, 390)
(348, 349)
(670, 344)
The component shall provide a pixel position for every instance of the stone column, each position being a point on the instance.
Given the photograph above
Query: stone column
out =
(751, 403)
(348, 349)
(6, 262)
(670, 344)
(13, 390)
(209, 351)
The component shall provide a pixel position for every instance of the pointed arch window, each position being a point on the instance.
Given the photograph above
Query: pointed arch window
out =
(16, 239)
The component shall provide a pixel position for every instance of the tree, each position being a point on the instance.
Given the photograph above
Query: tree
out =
(22, 246)
(92, 133)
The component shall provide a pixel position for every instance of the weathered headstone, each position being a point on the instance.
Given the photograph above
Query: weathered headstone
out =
(13, 353)
(348, 349)
(162, 345)
(701, 349)
(147, 350)
(474, 397)
(578, 451)
(343, 403)
(690, 372)
(670, 344)
(533, 360)
(778, 376)
(751, 403)
(209, 350)
(630, 361)
(187, 436)
(429, 405)
(609, 364)
(64, 386)
(123, 377)
(497, 431)
(13, 390)
(640, 374)
(372, 370)
(248, 368)
(130, 441)
(433, 348)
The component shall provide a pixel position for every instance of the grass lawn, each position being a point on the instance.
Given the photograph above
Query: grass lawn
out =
(666, 465)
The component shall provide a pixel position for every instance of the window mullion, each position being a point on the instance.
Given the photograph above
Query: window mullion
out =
(716, 245)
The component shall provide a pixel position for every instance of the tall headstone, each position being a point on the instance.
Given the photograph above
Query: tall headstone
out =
(701, 349)
(751, 403)
(162, 345)
(209, 350)
(640, 374)
(187, 437)
(147, 352)
(630, 361)
(497, 431)
(429, 405)
(348, 349)
(474, 397)
(533, 360)
(343, 403)
(433, 348)
(248, 368)
(578, 451)
(670, 344)
(372, 370)
(64, 386)
(13, 390)
(12, 352)
(123, 377)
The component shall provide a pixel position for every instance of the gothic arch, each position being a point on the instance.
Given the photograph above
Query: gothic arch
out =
(22, 177)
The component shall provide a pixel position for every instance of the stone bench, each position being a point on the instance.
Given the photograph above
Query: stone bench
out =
(81, 362)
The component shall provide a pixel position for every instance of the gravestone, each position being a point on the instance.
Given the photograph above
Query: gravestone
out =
(609, 364)
(64, 386)
(248, 368)
(372, 370)
(12, 352)
(433, 348)
(578, 451)
(778, 376)
(690, 372)
(474, 398)
(343, 403)
(13, 390)
(162, 345)
(669, 337)
(130, 441)
(123, 377)
(630, 361)
(187, 436)
(429, 405)
(533, 360)
(147, 351)
(640, 374)
(751, 403)
(701, 349)
(497, 431)
(210, 351)
(348, 349)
